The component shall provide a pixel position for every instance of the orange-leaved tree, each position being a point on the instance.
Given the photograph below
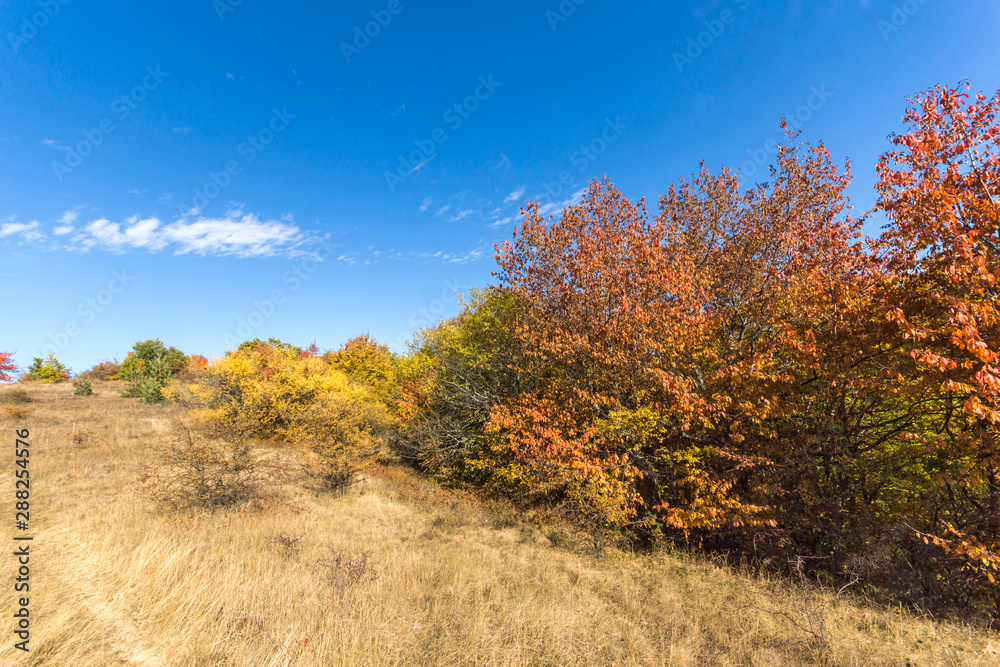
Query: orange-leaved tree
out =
(720, 366)
(792, 360)
(940, 188)
(597, 336)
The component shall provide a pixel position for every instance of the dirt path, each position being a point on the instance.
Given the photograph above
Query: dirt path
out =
(122, 635)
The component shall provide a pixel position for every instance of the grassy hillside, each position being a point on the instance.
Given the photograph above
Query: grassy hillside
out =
(395, 572)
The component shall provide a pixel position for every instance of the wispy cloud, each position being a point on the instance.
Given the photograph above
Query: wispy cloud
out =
(544, 210)
(426, 257)
(425, 204)
(502, 222)
(515, 195)
(503, 162)
(449, 257)
(558, 206)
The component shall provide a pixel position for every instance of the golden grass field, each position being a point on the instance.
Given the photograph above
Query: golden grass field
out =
(450, 581)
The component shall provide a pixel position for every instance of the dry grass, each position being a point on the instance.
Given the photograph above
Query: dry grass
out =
(396, 572)
(14, 396)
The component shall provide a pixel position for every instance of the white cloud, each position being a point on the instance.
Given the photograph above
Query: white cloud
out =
(69, 217)
(111, 235)
(443, 210)
(236, 234)
(515, 195)
(12, 228)
(27, 230)
(462, 214)
(63, 230)
(243, 237)
(426, 204)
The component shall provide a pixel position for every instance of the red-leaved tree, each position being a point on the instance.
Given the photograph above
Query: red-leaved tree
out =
(7, 366)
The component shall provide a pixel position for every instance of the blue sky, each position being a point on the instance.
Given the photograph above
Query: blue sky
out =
(207, 171)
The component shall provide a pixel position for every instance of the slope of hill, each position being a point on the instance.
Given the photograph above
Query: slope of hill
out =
(397, 571)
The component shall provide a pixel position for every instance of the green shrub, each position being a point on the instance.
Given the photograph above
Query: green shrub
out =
(148, 385)
(49, 369)
(148, 368)
(148, 350)
(83, 387)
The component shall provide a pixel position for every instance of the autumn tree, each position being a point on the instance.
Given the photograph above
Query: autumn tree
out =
(368, 361)
(7, 366)
(723, 365)
(940, 189)
(746, 369)
(457, 373)
(790, 357)
(49, 369)
(612, 321)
